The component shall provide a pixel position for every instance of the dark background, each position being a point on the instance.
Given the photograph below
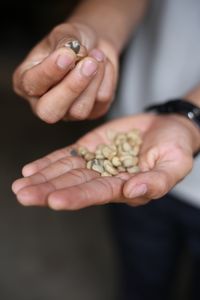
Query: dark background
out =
(45, 254)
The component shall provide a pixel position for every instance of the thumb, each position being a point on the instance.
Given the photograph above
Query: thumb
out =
(158, 181)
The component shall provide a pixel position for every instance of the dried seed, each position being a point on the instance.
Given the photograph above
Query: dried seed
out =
(111, 134)
(126, 147)
(128, 162)
(82, 151)
(108, 152)
(133, 134)
(105, 174)
(99, 155)
(97, 168)
(135, 151)
(101, 162)
(89, 164)
(100, 147)
(116, 161)
(89, 156)
(109, 168)
(120, 138)
(120, 156)
(74, 45)
(134, 169)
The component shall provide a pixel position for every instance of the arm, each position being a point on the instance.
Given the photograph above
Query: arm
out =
(113, 20)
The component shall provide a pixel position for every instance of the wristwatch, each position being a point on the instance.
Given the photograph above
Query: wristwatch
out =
(178, 106)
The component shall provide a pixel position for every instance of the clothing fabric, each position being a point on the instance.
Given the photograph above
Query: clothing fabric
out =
(163, 62)
(151, 240)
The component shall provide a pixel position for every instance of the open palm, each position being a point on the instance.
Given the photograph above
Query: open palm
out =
(61, 180)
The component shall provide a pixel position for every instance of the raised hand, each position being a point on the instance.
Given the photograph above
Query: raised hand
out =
(57, 86)
(61, 181)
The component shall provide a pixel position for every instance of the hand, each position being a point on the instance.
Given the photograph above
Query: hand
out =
(61, 181)
(56, 87)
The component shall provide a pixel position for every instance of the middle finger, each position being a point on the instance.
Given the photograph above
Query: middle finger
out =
(52, 106)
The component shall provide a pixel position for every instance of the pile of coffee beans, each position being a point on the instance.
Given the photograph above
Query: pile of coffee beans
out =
(121, 155)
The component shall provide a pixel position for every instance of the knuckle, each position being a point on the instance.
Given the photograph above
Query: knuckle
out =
(162, 187)
(46, 115)
(27, 87)
(76, 87)
(56, 30)
(61, 32)
(105, 97)
(79, 111)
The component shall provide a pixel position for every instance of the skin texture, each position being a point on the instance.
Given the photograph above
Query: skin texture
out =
(62, 182)
(59, 88)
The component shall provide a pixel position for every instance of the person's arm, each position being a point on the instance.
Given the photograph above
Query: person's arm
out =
(58, 89)
(113, 20)
(194, 97)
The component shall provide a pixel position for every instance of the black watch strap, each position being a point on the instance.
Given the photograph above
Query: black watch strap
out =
(179, 106)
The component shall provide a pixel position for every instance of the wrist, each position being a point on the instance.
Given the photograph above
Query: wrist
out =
(191, 128)
(186, 113)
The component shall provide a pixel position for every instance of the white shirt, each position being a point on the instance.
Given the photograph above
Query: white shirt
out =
(163, 62)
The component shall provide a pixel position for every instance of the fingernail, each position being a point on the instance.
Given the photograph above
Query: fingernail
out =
(98, 55)
(89, 67)
(64, 61)
(137, 191)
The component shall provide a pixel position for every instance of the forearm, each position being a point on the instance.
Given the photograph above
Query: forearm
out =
(192, 96)
(113, 20)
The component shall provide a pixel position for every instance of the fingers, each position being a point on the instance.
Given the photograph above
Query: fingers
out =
(107, 87)
(54, 104)
(82, 107)
(41, 77)
(38, 194)
(94, 192)
(53, 170)
(105, 93)
(155, 183)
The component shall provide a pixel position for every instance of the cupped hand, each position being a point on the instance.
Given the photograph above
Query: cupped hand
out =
(57, 86)
(61, 181)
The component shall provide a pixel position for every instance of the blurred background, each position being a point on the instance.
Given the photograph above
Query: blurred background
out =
(45, 254)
